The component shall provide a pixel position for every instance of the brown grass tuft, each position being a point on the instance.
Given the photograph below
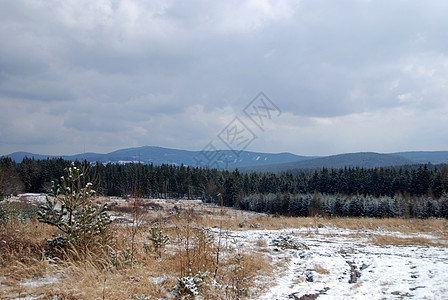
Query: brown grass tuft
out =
(22, 243)
(382, 240)
(321, 270)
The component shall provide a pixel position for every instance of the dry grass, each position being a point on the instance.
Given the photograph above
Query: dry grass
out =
(238, 273)
(126, 267)
(399, 225)
(437, 227)
(261, 243)
(387, 240)
(321, 270)
(22, 243)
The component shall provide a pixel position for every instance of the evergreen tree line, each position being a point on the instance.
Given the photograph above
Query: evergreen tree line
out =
(307, 205)
(168, 181)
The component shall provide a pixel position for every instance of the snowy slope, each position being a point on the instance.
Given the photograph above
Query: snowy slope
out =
(341, 264)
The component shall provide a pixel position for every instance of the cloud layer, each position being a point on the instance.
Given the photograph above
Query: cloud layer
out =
(348, 75)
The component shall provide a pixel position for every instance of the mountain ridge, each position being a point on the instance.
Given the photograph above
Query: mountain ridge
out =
(349, 160)
(160, 155)
(248, 161)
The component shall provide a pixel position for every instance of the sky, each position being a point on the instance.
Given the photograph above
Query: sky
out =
(336, 76)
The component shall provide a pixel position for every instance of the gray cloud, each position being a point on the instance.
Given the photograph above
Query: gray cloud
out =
(112, 74)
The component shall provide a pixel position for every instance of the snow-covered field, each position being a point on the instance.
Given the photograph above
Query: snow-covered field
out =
(342, 264)
(316, 260)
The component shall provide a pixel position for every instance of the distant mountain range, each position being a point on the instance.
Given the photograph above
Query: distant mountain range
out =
(248, 161)
(158, 155)
(361, 160)
(434, 157)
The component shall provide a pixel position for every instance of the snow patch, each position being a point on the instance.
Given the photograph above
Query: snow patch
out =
(38, 282)
(341, 264)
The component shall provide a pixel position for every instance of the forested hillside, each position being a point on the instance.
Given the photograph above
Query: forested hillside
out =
(237, 189)
(158, 155)
(351, 160)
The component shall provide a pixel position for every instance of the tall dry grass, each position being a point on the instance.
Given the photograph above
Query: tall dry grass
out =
(126, 267)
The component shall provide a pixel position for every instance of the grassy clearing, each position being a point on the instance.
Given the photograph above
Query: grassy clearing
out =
(129, 267)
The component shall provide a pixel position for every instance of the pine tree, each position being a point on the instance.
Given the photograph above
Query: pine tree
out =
(10, 183)
(444, 206)
(71, 209)
(356, 207)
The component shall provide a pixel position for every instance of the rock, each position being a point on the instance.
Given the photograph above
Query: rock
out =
(309, 276)
(295, 296)
(363, 267)
(354, 273)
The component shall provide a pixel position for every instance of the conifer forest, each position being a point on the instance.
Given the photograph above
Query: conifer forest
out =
(418, 191)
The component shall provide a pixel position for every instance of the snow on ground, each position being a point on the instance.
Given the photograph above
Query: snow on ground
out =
(333, 263)
(29, 197)
(37, 282)
(342, 265)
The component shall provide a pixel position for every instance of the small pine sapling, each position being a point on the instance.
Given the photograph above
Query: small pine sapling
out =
(189, 285)
(287, 242)
(71, 209)
(158, 239)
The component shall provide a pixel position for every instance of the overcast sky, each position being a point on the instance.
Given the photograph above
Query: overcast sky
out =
(347, 76)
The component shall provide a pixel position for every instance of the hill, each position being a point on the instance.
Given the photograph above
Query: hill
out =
(434, 157)
(248, 161)
(361, 160)
(159, 155)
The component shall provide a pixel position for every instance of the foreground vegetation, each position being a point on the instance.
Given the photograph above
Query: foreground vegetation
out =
(170, 254)
(174, 250)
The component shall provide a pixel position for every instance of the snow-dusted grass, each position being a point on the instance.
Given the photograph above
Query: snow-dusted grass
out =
(262, 257)
(342, 264)
(128, 267)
